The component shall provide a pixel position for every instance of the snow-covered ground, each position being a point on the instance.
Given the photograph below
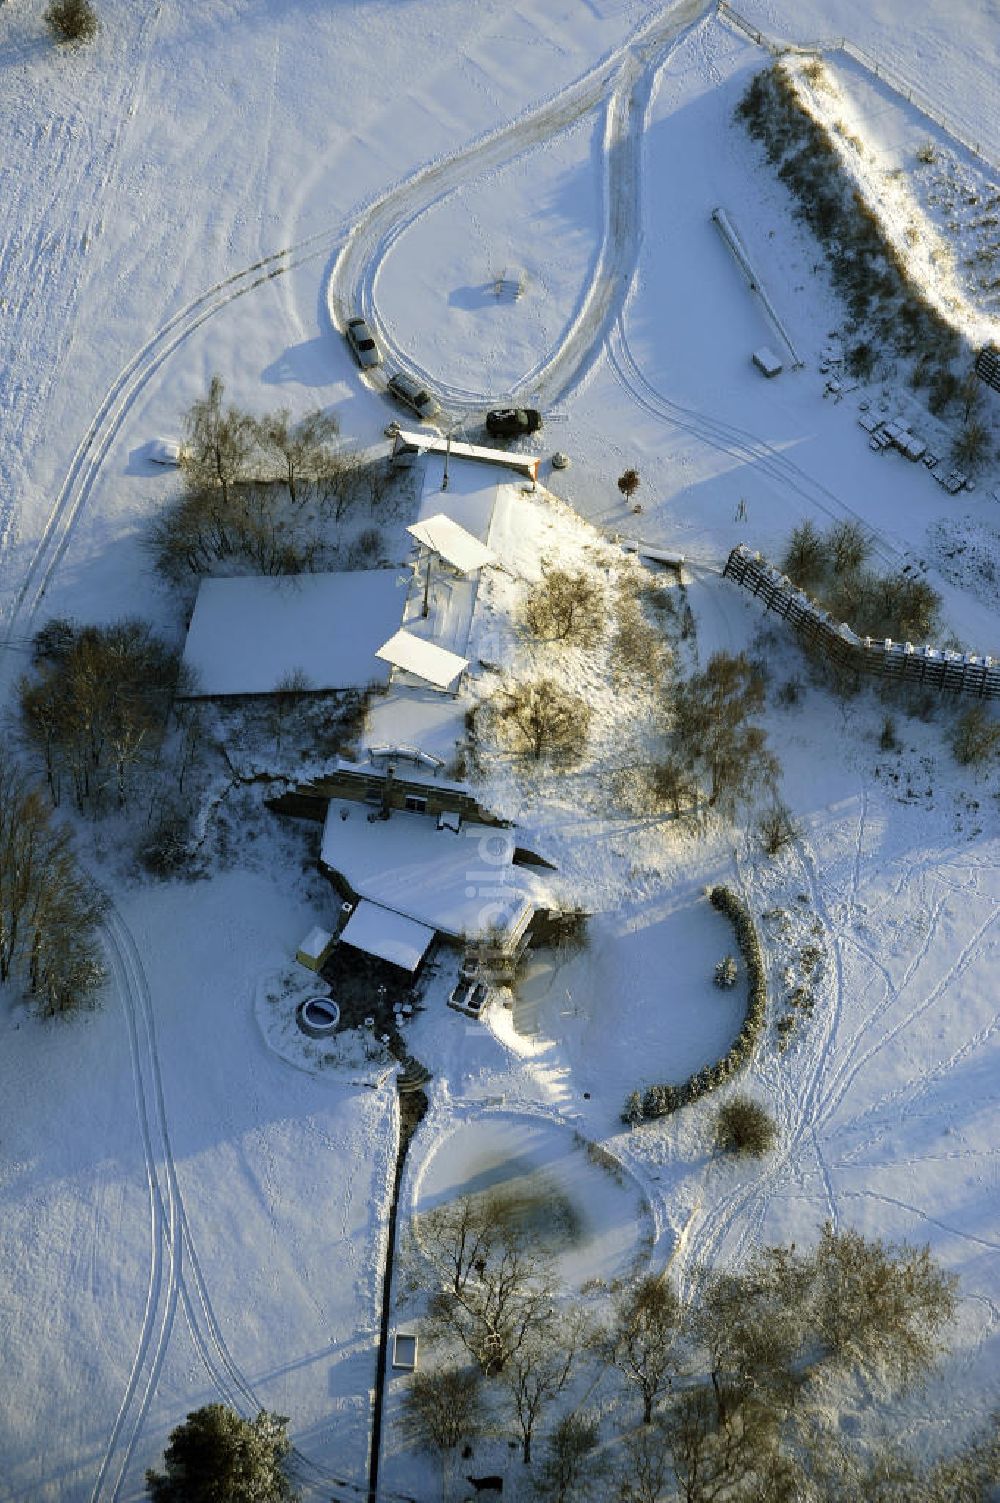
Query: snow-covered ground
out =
(186, 1215)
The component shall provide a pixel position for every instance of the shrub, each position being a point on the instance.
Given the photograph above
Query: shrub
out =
(972, 445)
(743, 1127)
(975, 737)
(544, 718)
(72, 20)
(726, 972)
(776, 829)
(568, 607)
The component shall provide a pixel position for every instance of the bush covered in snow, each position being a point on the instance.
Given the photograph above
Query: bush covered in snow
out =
(726, 972)
(72, 20)
(742, 1126)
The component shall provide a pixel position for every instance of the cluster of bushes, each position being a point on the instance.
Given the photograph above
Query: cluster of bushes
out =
(261, 491)
(870, 273)
(831, 567)
(661, 1100)
(95, 707)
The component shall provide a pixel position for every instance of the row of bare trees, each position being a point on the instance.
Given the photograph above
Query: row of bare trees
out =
(95, 706)
(738, 1387)
(49, 910)
(258, 490)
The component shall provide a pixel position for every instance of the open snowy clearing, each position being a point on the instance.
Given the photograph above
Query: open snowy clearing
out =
(185, 1215)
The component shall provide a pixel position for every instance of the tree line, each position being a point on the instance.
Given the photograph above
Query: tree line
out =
(736, 1389)
(49, 910)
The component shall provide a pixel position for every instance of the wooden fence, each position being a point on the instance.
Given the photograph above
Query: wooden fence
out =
(933, 667)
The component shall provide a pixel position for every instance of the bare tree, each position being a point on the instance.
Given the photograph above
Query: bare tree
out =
(570, 1472)
(643, 1339)
(303, 449)
(441, 1410)
(219, 442)
(777, 828)
(49, 911)
(710, 712)
(538, 1371)
(544, 718)
(975, 737)
(71, 20)
(494, 1290)
(805, 556)
(849, 545)
(880, 1307)
(566, 607)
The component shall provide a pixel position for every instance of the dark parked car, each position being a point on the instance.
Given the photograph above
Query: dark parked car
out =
(361, 341)
(513, 422)
(413, 395)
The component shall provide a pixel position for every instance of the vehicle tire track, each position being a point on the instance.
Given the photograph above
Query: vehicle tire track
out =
(736, 442)
(628, 74)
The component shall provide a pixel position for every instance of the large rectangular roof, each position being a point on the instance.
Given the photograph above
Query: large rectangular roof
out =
(251, 635)
(386, 934)
(413, 654)
(459, 882)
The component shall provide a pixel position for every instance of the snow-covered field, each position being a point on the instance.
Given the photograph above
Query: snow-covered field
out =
(185, 1212)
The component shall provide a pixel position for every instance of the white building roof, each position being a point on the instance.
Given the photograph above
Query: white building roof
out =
(247, 635)
(429, 443)
(424, 659)
(315, 942)
(453, 542)
(390, 936)
(461, 883)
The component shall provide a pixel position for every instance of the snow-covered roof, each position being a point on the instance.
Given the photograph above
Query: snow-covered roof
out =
(455, 545)
(424, 659)
(388, 935)
(247, 635)
(315, 942)
(525, 464)
(458, 882)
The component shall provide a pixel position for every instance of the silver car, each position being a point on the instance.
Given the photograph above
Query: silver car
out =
(414, 396)
(360, 339)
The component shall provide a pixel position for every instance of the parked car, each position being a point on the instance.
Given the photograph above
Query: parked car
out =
(477, 997)
(513, 422)
(414, 396)
(362, 342)
(461, 993)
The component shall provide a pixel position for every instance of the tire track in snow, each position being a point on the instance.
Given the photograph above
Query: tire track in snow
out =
(118, 400)
(726, 438)
(170, 1220)
(626, 78)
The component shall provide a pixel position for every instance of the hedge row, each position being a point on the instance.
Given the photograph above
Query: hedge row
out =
(661, 1100)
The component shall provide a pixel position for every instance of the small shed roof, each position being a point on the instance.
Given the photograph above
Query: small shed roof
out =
(386, 934)
(456, 546)
(425, 659)
(315, 942)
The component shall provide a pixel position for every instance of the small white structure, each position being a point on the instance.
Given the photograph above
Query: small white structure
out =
(424, 660)
(453, 543)
(315, 949)
(767, 361)
(387, 935)
(407, 444)
(165, 451)
(404, 1351)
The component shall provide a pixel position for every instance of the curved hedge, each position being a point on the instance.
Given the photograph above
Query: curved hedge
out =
(661, 1100)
